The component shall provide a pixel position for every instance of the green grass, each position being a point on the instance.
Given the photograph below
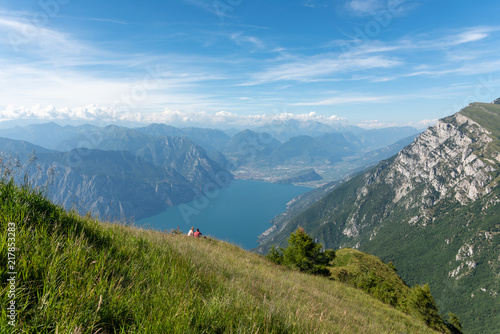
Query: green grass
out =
(488, 116)
(369, 273)
(79, 275)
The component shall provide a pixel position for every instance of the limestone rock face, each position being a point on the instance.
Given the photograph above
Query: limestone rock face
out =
(442, 162)
(443, 156)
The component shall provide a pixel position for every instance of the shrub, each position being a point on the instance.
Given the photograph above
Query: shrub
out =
(423, 306)
(303, 254)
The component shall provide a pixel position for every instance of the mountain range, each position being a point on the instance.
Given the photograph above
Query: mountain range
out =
(432, 209)
(125, 173)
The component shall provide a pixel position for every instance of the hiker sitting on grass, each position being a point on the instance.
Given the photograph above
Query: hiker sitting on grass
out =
(197, 233)
(191, 232)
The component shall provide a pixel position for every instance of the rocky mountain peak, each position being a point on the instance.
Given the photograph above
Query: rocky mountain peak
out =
(497, 101)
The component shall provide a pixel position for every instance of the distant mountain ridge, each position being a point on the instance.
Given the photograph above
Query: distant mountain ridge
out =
(121, 184)
(262, 148)
(433, 209)
(192, 159)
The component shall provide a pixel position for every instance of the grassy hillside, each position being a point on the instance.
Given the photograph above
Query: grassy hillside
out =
(78, 275)
(369, 273)
(488, 115)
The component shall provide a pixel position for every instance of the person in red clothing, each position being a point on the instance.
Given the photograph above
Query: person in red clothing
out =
(197, 233)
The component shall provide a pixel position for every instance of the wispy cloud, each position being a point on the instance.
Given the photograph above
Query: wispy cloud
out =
(316, 3)
(322, 67)
(19, 35)
(445, 52)
(375, 7)
(365, 7)
(215, 7)
(345, 99)
(466, 36)
(97, 19)
(240, 38)
(378, 55)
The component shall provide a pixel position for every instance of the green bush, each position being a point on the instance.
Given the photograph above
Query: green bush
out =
(303, 254)
(423, 306)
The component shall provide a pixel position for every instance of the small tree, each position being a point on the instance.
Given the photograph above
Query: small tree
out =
(303, 254)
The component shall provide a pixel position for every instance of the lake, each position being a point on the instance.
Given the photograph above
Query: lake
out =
(238, 213)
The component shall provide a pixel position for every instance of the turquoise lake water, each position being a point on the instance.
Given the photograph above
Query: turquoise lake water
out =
(238, 213)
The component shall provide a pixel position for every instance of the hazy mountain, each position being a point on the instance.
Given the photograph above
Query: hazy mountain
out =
(123, 184)
(250, 146)
(109, 138)
(209, 139)
(48, 135)
(114, 184)
(21, 147)
(63, 138)
(287, 129)
(261, 148)
(369, 138)
(433, 209)
(378, 138)
(366, 159)
(187, 158)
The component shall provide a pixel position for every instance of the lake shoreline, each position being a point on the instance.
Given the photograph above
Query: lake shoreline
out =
(238, 213)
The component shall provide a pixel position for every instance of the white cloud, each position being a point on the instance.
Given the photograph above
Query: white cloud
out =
(231, 119)
(108, 114)
(424, 123)
(87, 113)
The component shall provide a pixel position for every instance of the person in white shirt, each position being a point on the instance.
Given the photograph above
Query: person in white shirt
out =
(191, 232)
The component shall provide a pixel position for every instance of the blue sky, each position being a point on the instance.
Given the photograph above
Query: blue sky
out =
(372, 63)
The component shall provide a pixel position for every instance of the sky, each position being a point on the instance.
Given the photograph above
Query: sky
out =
(372, 63)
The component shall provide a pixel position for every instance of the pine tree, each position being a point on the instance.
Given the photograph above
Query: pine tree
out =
(303, 254)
